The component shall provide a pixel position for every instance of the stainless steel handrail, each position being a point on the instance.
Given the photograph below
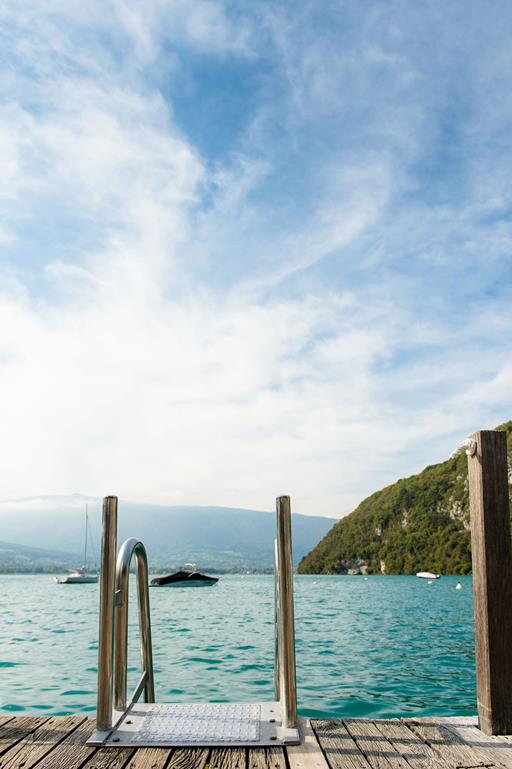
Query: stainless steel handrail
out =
(129, 549)
(285, 657)
(113, 629)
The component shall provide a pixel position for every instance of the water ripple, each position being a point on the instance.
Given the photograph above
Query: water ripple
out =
(385, 646)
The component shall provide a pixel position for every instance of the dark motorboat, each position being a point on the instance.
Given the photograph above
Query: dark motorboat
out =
(184, 579)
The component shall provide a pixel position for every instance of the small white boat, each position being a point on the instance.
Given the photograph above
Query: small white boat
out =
(427, 575)
(458, 586)
(76, 577)
(79, 576)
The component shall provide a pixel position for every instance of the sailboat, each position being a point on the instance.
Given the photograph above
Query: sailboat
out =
(79, 576)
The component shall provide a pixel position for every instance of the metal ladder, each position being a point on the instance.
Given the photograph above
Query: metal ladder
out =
(121, 722)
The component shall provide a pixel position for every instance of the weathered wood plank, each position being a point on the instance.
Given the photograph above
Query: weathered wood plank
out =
(266, 758)
(378, 751)
(17, 729)
(189, 758)
(497, 749)
(72, 752)
(228, 758)
(448, 746)
(430, 743)
(309, 754)
(339, 748)
(492, 579)
(417, 753)
(34, 746)
(149, 758)
(109, 758)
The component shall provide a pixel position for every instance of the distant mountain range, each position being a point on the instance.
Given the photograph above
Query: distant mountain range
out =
(213, 537)
(419, 523)
(19, 558)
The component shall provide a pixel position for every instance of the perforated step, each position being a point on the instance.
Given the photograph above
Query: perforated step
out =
(204, 724)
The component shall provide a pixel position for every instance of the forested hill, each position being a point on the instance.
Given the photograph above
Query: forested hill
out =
(418, 523)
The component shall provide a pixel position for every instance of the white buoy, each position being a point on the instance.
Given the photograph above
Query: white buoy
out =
(458, 586)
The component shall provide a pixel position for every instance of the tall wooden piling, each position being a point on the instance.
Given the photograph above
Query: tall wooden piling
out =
(492, 579)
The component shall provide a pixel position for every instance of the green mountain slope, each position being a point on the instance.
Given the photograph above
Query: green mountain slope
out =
(418, 523)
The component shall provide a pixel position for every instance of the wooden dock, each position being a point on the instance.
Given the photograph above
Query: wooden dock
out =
(424, 743)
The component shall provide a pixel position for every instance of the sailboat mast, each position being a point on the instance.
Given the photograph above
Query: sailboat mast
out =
(86, 528)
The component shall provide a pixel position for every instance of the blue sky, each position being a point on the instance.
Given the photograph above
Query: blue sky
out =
(249, 249)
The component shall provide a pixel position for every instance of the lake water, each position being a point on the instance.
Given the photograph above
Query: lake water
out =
(382, 646)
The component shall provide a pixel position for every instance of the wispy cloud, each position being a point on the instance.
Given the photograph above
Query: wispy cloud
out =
(320, 307)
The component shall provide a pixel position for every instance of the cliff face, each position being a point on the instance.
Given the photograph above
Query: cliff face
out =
(418, 523)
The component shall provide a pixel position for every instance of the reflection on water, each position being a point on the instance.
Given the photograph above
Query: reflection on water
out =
(382, 646)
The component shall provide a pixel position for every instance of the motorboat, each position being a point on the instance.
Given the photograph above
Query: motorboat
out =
(76, 577)
(79, 576)
(184, 579)
(427, 575)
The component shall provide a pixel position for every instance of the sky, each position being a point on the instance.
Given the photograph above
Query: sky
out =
(251, 248)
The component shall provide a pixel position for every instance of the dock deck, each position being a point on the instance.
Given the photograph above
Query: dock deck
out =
(423, 743)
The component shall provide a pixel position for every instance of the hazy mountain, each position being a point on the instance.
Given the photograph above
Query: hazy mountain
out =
(419, 523)
(14, 558)
(210, 536)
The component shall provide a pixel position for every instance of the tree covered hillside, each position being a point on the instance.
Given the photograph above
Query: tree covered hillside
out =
(418, 523)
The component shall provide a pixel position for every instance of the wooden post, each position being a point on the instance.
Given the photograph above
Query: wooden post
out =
(492, 580)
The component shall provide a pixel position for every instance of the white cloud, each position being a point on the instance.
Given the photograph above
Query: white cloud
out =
(173, 329)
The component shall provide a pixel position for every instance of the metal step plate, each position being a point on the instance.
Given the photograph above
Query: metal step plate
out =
(192, 725)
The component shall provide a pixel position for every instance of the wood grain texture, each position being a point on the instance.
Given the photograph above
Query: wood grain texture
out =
(228, 758)
(109, 758)
(379, 752)
(266, 758)
(496, 749)
(149, 758)
(72, 752)
(450, 748)
(338, 746)
(34, 746)
(188, 758)
(16, 729)
(492, 579)
(417, 753)
(309, 754)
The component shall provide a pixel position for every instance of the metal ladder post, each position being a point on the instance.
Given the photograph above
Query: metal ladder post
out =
(112, 702)
(285, 674)
(106, 629)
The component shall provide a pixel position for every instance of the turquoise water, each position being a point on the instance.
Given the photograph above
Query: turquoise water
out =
(384, 646)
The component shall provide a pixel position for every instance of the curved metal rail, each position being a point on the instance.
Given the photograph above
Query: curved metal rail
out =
(113, 630)
(132, 547)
